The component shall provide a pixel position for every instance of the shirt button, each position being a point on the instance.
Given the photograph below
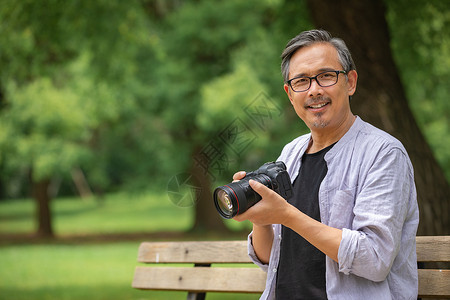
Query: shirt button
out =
(274, 270)
(279, 236)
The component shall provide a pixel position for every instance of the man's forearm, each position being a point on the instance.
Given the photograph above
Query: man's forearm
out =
(326, 239)
(262, 239)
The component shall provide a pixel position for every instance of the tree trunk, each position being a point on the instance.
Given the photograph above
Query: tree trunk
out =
(83, 188)
(43, 212)
(380, 98)
(206, 216)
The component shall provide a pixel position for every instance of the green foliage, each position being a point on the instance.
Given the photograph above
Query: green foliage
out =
(131, 91)
(421, 47)
(227, 96)
(69, 86)
(133, 79)
(202, 39)
(45, 128)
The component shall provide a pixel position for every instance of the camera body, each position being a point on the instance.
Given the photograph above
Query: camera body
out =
(236, 197)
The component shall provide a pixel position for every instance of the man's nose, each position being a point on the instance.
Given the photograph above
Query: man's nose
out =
(315, 89)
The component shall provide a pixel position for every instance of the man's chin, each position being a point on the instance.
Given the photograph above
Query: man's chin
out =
(319, 122)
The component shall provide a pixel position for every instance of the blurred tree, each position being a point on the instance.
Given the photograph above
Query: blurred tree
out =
(420, 41)
(221, 66)
(202, 37)
(134, 93)
(421, 34)
(373, 60)
(44, 129)
(381, 99)
(68, 80)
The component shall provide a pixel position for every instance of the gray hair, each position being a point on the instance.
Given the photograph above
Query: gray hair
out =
(307, 38)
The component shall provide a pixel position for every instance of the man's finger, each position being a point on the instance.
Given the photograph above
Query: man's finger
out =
(239, 175)
(260, 188)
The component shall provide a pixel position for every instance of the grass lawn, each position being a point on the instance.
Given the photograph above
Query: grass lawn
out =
(65, 271)
(70, 269)
(118, 213)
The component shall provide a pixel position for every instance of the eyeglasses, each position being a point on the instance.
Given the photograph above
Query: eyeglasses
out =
(324, 79)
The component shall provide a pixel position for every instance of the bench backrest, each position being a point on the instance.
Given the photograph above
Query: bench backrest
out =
(247, 278)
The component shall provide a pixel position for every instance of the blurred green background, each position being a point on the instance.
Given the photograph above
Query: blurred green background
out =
(106, 105)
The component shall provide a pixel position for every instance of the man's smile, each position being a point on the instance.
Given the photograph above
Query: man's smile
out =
(318, 105)
(315, 104)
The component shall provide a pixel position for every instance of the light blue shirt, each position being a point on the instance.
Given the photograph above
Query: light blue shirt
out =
(369, 193)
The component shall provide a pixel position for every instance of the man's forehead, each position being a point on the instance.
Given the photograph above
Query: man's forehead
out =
(313, 58)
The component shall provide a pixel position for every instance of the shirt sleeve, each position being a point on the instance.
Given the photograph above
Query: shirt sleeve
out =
(252, 254)
(369, 248)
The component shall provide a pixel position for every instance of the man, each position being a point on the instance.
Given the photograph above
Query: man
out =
(349, 230)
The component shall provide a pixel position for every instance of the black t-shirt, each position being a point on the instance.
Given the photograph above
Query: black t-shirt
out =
(301, 270)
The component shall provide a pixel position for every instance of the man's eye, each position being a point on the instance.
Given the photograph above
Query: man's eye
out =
(328, 75)
(301, 80)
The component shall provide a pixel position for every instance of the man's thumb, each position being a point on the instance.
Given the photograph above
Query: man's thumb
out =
(260, 188)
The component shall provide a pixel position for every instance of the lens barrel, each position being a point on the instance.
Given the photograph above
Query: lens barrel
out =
(236, 197)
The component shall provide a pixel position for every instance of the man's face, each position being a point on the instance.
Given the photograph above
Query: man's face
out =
(323, 109)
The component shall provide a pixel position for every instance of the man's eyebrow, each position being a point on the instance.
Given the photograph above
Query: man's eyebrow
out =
(325, 69)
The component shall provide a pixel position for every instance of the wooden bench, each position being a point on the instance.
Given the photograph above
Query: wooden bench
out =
(235, 273)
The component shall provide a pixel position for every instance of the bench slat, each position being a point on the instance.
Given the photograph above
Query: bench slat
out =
(433, 248)
(250, 280)
(200, 279)
(434, 283)
(429, 248)
(194, 252)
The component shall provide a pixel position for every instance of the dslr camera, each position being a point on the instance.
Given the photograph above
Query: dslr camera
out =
(236, 197)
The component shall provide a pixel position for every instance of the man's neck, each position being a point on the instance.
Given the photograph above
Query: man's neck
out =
(325, 137)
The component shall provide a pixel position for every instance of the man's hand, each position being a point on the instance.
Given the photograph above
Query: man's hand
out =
(274, 209)
(271, 209)
(262, 237)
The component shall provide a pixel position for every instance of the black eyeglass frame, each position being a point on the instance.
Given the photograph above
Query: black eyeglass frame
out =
(315, 78)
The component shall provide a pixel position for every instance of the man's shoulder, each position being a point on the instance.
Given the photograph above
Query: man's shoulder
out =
(368, 143)
(373, 136)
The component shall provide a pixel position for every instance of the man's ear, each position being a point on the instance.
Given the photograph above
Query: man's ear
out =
(288, 92)
(352, 80)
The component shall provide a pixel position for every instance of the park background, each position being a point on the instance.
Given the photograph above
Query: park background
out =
(118, 119)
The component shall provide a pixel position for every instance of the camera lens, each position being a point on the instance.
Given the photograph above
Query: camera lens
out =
(237, 197)
(224, 202)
